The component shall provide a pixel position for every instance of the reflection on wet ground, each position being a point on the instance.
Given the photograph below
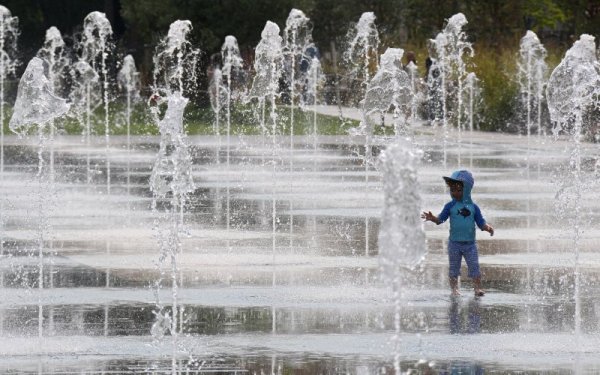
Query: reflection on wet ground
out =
(314, 303)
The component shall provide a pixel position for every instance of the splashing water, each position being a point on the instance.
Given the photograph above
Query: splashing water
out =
(35, 108)
(401, 236)
(128, 79)
(573, 90)
(268, 65)
(297, 37)
(449, 49)
(232, 63)
(361, 54)
(175, 61)
(8, 62)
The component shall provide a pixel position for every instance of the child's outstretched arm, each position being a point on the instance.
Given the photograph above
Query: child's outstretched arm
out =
(443, 216)
(428, 216)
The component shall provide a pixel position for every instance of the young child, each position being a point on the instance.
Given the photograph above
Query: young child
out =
(463, 214)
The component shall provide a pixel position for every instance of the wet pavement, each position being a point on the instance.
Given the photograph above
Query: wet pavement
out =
(312, 304)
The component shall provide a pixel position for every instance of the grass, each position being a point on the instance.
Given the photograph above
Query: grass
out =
(200, 121)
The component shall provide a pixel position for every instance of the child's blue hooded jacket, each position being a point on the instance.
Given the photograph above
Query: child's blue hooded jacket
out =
(463, 214)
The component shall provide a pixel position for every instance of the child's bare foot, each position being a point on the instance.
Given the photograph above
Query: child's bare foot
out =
(477, 287)
(454, 286)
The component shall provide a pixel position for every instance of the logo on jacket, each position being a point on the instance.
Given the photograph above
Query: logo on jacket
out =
(464, 212)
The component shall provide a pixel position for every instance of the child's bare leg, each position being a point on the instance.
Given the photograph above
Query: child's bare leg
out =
(477, 287)
(454, 286)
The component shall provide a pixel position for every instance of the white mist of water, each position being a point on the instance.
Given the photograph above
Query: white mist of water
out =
(573, 90)
(36, 108)
(402, 244)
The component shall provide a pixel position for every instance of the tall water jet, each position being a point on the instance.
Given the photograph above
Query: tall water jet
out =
(8, 62)
(175, 65)
(532, 70)
(35, 108)
(449, 49)
(314, 81)
(53, 52)
(265, 87)
(297, 37)
(218, 98)
(85, 97)
(95, 48)
(473, 95)
(232, 63)
(309, 99)
(389, 89)
(402, 244)
(171, 181)
(363, 49)
(572, 92)
(128, 79)
(415, 82)
(175, 61)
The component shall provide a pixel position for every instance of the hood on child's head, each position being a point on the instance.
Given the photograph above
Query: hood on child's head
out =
(467, 180)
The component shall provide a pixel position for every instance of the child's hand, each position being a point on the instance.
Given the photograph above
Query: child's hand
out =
(428, 216)
(489, 228)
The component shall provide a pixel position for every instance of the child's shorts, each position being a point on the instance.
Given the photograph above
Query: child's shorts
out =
(456, 251)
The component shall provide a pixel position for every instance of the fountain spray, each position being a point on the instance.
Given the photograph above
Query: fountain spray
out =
(297, 37)
(175, 63)
(532, 70)
(450, 48)
(268, 66)
(171, 180)
(362, 52)
(35, 108)
(85, 98)
(402, 245)
(388, 89)
(53, 52)
(572, 91)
